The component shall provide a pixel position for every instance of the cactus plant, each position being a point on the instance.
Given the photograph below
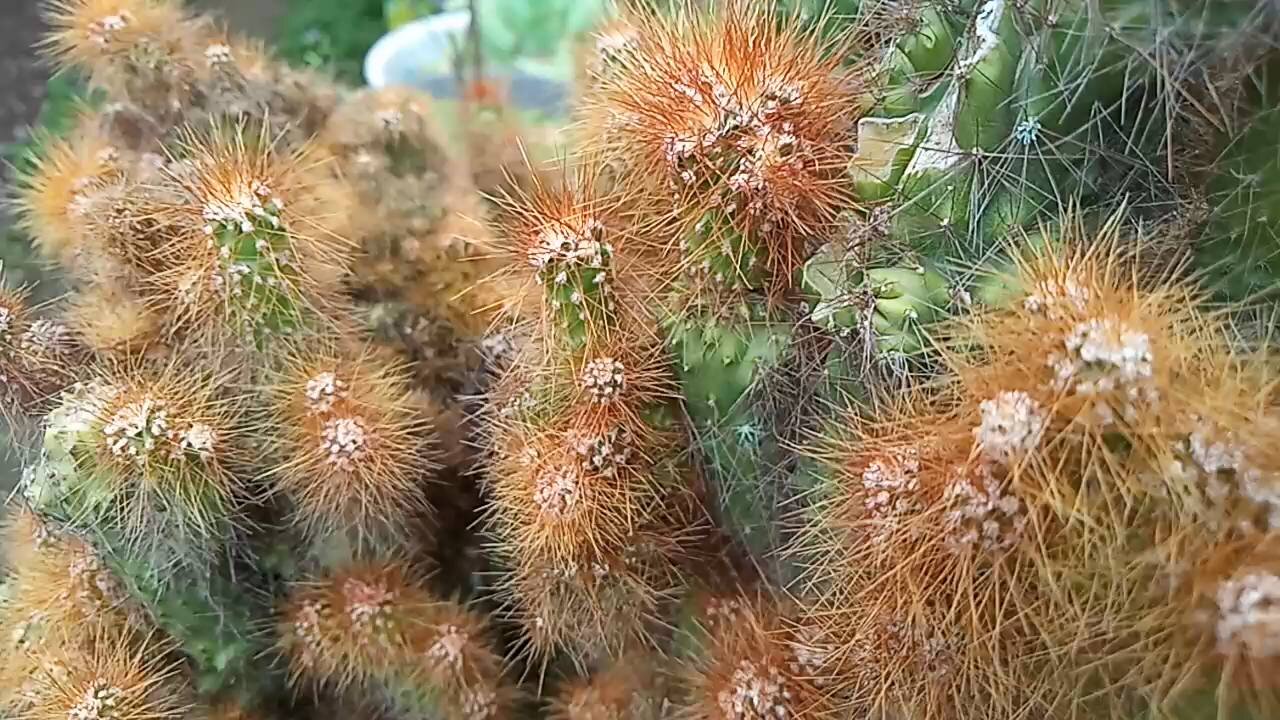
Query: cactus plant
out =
(859, 360)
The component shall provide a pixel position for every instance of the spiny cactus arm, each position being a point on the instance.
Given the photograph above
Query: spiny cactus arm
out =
(737, 122)
(166, 542)
(349, 446)
(251, 243)
(1241, 250)
(719, 363)
(371, 631)
(588, 465)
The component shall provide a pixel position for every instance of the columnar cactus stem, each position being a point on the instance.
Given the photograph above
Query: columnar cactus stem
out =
(743, 127)
(373, 628)
(588, 488)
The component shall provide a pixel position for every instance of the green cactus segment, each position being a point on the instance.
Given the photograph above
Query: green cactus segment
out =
(180, 500)
(985, 113)
(931, 48)
(215, 623)
(894, 304)
(724, 255)
(255, 266)
(1004, 114)
(720, 361)
(901, 95)
(574, 266)
(169, 573)
(1242, 249)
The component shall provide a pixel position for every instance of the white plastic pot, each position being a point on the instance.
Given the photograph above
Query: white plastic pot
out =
(418, 55)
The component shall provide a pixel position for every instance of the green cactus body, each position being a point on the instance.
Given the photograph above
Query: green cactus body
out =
(217, 624)
(895, 304)
(1006, 113)
(720, 360)
(1045, 491)
(253, 256)
(175, 576)
(1242, 252)
(729, 257)
(986, 72)
(574, 271)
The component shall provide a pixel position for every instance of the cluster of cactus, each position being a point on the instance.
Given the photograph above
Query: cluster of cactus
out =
(276, 312)
(859, 361)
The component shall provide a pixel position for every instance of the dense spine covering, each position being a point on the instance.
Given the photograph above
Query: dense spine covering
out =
(858, 360)
(590, 493)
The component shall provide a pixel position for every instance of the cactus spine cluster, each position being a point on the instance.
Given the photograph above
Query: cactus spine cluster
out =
(887, 360)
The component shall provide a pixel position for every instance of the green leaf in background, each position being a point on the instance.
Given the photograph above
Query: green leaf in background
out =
(400, 12)
(332, 35)
(513, 29)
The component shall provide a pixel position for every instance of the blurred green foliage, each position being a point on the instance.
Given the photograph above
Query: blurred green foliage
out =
(514, 29)
(64, 95)
(399, 12)
(331, 35)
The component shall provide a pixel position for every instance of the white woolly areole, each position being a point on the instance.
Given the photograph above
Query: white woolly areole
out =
(135, 428)
(890, 484)
(752, 132)
(1249, 614)
(810, 656)
(345, 440)
(1105, 356)
(478, 703)
(449, 648)
(604, 379)
(1055, 299)
(1227, 472)
(603, 453)
(242, 207)
(557, 491)
(80, 408)
(306, 627)
(755, 693)
(218, 54)
(368, 604)
(199, 438)
(99, 702)
(95, 588)
(1012, 423)
(323, 390)
(980, 516)
(6, 322)
(566, 247)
